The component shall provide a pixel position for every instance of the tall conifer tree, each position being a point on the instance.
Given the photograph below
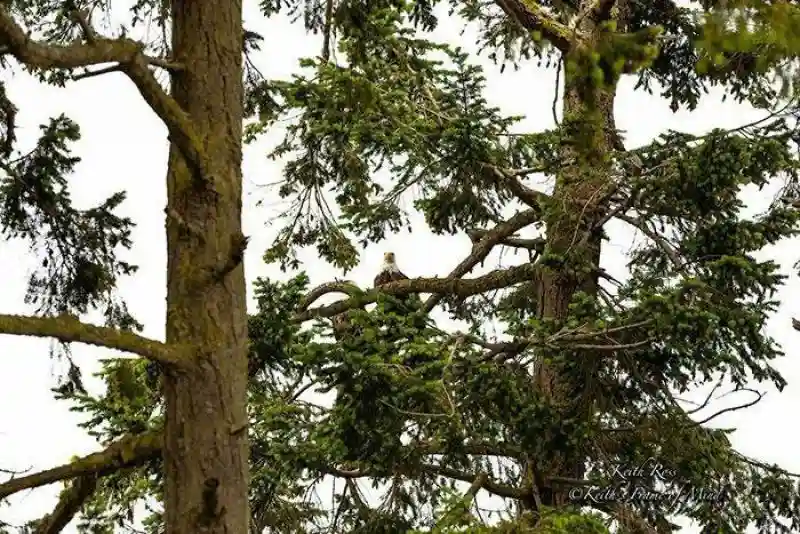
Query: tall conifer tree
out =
(587, 375)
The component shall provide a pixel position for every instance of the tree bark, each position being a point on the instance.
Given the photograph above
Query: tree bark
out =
(574, 238)
(205, 448)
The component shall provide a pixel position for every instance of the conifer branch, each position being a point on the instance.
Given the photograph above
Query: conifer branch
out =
(530, 15)
(497, 279)
(70, 501)
(132, 61)
(68, 328)
(127, 452)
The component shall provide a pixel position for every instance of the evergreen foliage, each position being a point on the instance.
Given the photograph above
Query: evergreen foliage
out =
(383, 99)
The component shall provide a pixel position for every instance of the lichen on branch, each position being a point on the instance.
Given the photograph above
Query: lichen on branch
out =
(456, 287)
(68, 328)
(127, 452)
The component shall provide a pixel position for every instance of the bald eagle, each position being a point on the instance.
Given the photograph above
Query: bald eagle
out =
(389, 272)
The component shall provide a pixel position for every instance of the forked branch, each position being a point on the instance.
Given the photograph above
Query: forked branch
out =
(132, 61)
(68, 328)
(127, 452)
(483, 247)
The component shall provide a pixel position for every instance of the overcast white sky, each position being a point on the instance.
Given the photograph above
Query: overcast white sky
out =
(124, 147)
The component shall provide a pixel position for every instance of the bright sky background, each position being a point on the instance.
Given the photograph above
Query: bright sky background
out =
(124, 147)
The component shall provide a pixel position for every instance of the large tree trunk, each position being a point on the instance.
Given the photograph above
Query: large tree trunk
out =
(574, 236)
(205, 453)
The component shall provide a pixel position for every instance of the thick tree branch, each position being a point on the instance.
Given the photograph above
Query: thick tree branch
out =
(530, 15)
(496, 279)
(132, 61)
(482, 248)
(69, 504)
(68, 328)
(127, 452)
(347, 287)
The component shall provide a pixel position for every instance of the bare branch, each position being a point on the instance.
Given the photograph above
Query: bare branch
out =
(565, 338)
(482, 248)
(736, 408)
(510, 178)
(533, 245)
(660, 242)
(613, 346)
(533, 18)
(69, 504)
(94, 73)
(129, 54)
(68, 328)
(127, 452)
(476, 486)
(700, 406)
(13, 472)
(795, 324)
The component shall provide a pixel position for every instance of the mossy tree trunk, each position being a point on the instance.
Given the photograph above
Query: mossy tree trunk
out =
(573, 242)
(205, 452)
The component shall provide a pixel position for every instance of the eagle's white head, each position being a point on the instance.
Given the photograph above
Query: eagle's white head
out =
(389, 263)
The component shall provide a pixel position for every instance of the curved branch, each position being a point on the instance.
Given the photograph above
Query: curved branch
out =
(484, 246)
(128, 53)
(753, 402)
(127, 452)
(496, 279)
(348, 288)
(70, 502)
(68, 328)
